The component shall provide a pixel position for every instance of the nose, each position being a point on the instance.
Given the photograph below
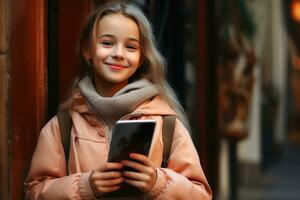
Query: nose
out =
(118, 52)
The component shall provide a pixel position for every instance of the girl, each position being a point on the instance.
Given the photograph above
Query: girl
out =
(126, 80)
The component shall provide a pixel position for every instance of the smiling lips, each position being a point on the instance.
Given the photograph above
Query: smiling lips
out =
(116, 66)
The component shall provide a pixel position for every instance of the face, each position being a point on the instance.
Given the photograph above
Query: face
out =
(117, 52)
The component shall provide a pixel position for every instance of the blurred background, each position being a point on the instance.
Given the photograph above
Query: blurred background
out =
(233, 63)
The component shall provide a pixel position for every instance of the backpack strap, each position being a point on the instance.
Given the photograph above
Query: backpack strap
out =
(167, 136)
(65, 126)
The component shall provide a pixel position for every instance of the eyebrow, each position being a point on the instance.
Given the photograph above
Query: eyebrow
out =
(112, 36)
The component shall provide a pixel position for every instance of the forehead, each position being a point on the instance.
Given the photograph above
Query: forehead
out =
(117, 24)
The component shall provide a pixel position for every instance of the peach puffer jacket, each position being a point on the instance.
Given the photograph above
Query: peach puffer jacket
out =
(47, 178)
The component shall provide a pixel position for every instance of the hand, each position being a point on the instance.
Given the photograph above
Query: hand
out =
(145, 176)
(106, 178)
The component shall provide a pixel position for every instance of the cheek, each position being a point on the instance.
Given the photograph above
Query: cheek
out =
(136, 59)
(102, 53)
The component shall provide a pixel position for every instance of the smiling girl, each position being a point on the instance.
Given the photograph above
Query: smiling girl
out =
(126, 80)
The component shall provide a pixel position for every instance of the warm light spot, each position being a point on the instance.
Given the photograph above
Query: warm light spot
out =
(296, 63)
(295, 10)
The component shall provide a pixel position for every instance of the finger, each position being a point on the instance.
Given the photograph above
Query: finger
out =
(110, 183)
(136, 176)
(109, 167)
(109, 175)
(138, 184)
(109, 189)
(141, 158)
(99, 187)
(98, 176)
(136, 166)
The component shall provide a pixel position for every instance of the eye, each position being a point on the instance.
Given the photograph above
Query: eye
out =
(132, 47)
(106, 43)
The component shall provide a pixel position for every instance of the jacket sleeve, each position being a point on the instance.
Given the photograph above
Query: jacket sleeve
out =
(47, 177)
(183, 178)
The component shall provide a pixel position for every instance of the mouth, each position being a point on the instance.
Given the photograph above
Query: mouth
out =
(115, 66)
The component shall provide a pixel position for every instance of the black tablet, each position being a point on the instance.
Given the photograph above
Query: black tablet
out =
(130, 136)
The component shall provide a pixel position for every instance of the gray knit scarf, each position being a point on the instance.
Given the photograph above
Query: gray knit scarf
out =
(123, 102)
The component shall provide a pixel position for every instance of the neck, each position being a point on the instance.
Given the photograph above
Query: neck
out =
(108, 89)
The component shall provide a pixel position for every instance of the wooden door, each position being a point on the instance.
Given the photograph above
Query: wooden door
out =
(28, 86)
